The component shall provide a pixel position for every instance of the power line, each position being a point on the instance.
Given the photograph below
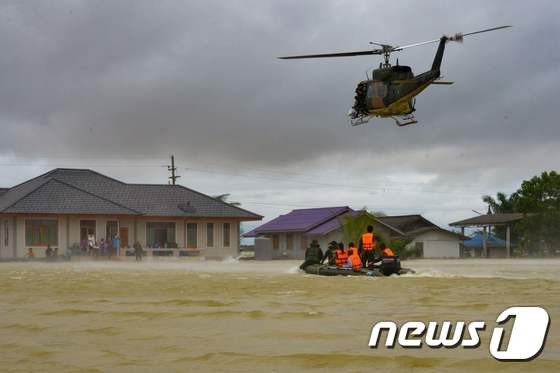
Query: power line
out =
(319, 204)
(348, 186)
(280, 179)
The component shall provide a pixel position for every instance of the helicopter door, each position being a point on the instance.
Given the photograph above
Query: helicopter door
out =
(377, 94)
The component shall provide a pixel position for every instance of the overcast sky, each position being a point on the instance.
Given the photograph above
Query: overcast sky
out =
(118, 86)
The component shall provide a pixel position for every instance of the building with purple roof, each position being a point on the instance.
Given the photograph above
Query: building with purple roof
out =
(287, 236)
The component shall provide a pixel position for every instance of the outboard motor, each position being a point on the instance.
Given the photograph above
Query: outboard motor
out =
(390, 265)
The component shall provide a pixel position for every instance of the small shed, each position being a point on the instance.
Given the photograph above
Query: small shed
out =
(487, 221)
(496, 247)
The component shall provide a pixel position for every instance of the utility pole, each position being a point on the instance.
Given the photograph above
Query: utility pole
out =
(173, 170)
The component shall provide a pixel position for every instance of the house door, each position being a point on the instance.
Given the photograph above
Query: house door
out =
(87, 227)
(123, 234)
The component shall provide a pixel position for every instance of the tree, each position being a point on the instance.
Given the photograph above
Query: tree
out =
(539, 198)
(354, 225)
(502, 204)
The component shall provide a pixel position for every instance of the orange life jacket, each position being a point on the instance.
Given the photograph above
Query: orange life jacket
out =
(388, 252)
(356, 261)
(341, 258)
(368, 241)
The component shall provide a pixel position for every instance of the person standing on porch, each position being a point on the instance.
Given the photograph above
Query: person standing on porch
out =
(117, 245)
(138, 251)
(90, 243)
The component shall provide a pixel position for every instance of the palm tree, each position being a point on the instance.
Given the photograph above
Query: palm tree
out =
(355, 224)
(501, 204)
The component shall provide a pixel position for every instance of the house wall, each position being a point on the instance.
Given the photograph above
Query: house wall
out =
(336, 235)
(69, 234)
(266, 252)
(438, 244)
(6, 238)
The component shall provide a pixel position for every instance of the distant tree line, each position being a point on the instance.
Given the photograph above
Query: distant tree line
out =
(539, 198)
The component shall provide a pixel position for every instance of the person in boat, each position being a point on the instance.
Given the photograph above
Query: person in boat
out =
(354, 260)
(330, 254)
(386, 252)
(313, 255)
(367, 246)
(352, 246)
(341, 256)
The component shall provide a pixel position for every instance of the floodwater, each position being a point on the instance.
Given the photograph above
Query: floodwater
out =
(257, 316)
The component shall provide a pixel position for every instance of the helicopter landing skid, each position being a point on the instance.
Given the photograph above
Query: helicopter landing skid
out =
(360, 120)
(408, 120)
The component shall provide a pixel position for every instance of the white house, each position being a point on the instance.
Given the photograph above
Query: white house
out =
(62, 207)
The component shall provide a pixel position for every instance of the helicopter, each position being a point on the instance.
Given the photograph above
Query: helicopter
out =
(391, 90)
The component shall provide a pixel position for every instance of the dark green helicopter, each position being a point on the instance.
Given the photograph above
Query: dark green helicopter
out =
(391, 91)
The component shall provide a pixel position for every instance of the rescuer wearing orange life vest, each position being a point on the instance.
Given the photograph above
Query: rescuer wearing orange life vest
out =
(341, 256)
(354, 260)
(367, 246)
(386, 252)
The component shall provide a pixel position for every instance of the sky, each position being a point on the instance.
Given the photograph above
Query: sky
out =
(119, 86)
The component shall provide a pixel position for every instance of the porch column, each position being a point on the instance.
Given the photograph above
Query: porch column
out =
(484, 243)
(135, 231)
(14, 238)
(68, 232)
(238, 237)
(508, 241)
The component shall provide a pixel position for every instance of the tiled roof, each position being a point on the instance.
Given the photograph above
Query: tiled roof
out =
(301, 220)
(298, 221)
(81, 191)
(406, 223)
(489, 219)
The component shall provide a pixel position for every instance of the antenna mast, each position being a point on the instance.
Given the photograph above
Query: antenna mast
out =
(173, 178)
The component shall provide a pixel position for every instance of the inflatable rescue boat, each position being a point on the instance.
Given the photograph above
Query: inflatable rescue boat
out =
(387, 267)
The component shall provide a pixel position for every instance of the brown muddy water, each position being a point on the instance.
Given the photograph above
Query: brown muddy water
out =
(256, 316)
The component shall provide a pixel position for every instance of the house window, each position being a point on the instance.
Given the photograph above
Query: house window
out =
(160, 234)
(41, 232)
(6, 233)
(289, 241)
(227, 234)
(275, 242)
(192, 229)
(419, 249)
(304, 242)
(112, 229)
(210, 234)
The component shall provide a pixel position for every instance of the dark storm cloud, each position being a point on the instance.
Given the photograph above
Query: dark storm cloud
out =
(142, 79)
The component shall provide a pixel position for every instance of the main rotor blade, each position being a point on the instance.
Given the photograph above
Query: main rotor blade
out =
(342, 54)
(488, 29)
(388, 48)
(455, 37)
(414, 45)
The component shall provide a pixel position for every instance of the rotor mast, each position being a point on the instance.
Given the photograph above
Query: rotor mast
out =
(386, 55)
